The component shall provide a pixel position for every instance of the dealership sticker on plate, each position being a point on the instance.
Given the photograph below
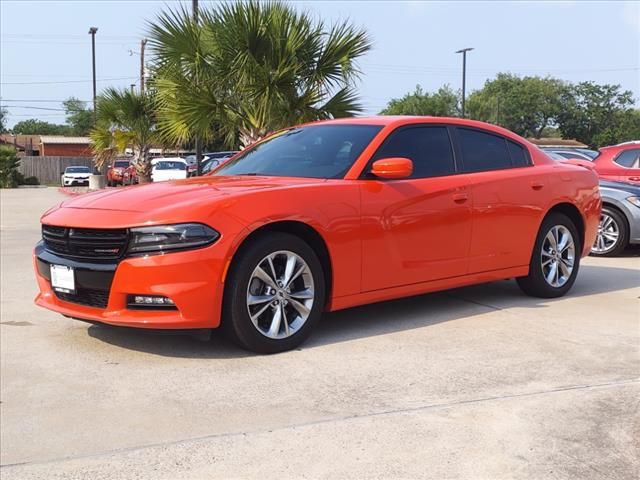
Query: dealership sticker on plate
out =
(62, 279)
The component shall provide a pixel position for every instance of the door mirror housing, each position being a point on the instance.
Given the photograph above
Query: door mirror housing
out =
(392, 168)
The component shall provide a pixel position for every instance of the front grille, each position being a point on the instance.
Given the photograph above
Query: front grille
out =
(85, 243)
(86, 296)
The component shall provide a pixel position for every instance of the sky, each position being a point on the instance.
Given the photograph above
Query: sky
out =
(45, 48)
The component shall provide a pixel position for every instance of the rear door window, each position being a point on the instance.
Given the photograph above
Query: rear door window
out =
(629, 158)
(482, 151)
(519, 154)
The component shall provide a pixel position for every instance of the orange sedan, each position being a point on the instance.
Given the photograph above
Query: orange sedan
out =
(318, 218)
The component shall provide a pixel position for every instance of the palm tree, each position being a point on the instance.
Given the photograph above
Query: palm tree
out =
(249, 68)
(125, 118)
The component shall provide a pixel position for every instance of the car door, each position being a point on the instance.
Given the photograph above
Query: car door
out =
(508, 199)
(416, 229)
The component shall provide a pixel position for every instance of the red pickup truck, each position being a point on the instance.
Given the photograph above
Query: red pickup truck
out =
(122, 172)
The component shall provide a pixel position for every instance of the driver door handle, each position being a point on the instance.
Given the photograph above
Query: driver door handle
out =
(460, 197)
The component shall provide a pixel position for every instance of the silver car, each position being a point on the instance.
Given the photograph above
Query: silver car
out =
(620, 219)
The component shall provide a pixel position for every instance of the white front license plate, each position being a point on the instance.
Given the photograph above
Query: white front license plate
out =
(62, 279)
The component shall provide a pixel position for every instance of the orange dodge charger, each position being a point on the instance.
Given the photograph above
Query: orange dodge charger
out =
(318, 218)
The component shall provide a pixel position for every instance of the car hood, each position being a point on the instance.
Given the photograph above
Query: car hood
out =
(162, 201)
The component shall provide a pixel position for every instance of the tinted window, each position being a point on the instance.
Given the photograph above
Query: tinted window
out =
(121, 163)
(519, 156)
(77, 170)
(429, 148)
(315, 151)
(629, 159)
(483, 151)
(170, 166)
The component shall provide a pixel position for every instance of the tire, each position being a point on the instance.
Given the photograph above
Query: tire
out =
(613, 234)
(541, 281)
(264, 333)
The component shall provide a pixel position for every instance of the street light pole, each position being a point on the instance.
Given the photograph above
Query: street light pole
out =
(197, 141)
(92, 32)
(464, 74)
(143, 43)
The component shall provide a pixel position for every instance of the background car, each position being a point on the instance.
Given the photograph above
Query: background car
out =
(75, 175)
(619, 162)
(620, 218)
(115, 172)
(169, 168)
(215, 160)
(570, 152)
(209, 161)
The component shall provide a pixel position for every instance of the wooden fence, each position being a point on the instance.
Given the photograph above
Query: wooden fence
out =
(48, 169)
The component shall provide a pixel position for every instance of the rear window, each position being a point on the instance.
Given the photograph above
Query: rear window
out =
(170, 166)
(629, 158)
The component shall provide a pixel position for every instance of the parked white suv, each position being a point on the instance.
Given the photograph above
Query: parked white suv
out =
(170, 168)
(75, 176)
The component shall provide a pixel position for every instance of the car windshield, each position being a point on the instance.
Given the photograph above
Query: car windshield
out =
(315, 151)
(121, 164)
(168, 165)
(78, 170)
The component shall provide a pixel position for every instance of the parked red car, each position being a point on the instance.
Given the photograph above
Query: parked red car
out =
(319, 218)
(619, 163)
(116, 172)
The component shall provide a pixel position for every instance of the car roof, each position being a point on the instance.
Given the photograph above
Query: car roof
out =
(400, 120)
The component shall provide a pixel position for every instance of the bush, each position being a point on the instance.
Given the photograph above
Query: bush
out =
(9, 163)
(30, 181)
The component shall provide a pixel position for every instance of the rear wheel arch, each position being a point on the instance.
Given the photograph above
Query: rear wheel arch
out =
(574, 215)
(306, 233)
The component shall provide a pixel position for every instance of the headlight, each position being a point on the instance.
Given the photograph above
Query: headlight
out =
(167, 238)
(634, 200)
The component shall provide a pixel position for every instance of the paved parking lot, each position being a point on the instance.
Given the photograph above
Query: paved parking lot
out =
(479, 382)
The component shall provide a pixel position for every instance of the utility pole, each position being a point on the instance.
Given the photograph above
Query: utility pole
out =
(143, 42)
(464, 74)
(92, 32)
(197, 141)
(133, 85)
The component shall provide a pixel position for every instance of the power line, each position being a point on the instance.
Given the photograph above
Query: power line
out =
(33, 108)
(67, 81)
(43, 101)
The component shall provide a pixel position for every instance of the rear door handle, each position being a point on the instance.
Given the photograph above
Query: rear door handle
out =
(460, 197)
(537, 185)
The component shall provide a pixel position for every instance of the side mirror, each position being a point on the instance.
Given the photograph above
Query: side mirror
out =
(392, 168)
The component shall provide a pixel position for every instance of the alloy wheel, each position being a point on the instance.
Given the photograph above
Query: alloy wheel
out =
(558, 256)
(280, 294)
(608, 234)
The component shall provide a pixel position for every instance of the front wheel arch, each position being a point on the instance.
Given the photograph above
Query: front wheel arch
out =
(301, 230)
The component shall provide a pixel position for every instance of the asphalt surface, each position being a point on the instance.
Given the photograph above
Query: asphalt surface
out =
(480, 382)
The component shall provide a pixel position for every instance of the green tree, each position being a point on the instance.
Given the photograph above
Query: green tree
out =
(525, 105)
(34, 126)
(125, 119)
(9, 163)
(443, 103)
(79, 117)
(597, 114)
(251, 68)
(3, 120)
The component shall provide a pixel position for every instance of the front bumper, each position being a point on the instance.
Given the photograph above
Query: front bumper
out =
(192, 279)
(69, 182)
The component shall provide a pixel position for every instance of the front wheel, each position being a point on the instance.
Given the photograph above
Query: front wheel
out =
(274, 295)
(555, 259)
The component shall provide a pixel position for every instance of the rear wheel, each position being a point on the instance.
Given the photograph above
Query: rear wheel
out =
(613, 234)
(274, 295)
(555, 259)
